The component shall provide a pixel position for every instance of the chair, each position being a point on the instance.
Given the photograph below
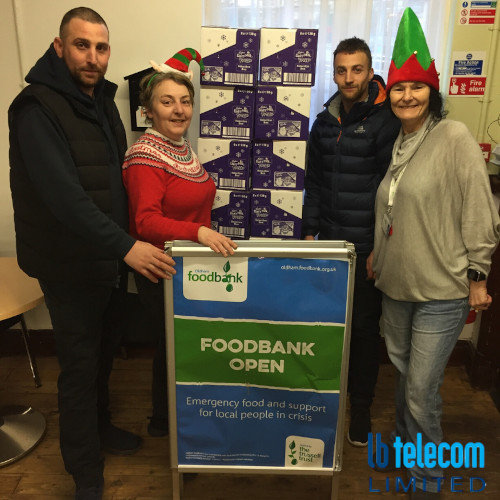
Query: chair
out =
(21, 427)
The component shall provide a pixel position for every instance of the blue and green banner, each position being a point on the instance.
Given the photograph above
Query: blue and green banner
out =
(258, 359)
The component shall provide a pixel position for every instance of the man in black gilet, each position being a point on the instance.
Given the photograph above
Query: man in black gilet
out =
(67, 143)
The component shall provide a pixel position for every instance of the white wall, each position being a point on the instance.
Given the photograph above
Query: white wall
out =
(139, 31)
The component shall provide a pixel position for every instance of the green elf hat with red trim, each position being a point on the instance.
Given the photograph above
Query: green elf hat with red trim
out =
(179, 62)
(411, 59)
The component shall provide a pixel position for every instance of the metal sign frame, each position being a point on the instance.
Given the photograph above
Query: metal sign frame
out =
(293, 249)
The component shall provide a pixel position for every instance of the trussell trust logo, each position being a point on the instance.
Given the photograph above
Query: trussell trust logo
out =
(213, 278)
(425, 455)
(303, 451)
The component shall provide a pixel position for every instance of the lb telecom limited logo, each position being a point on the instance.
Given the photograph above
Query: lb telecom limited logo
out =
(428, 456)
(211, 278)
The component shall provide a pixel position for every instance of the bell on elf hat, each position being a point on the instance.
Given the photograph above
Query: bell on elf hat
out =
(411, 59)
(179, 63)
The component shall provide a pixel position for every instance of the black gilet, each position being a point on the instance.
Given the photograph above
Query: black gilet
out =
(47, 249)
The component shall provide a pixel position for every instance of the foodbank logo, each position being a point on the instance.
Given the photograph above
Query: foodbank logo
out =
(215, 279)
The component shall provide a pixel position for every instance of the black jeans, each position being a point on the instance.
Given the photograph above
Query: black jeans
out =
(365, 337)
(85, 319)
(151, 296)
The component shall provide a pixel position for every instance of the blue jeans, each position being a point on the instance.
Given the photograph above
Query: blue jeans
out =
(420, 337)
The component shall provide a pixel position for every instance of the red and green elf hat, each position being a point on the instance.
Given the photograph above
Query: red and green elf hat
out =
(179, 62)
(411, 59)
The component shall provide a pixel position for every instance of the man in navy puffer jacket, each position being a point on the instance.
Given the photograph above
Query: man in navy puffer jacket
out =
(349, 150)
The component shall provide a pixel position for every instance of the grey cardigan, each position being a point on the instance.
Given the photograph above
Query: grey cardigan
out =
(444, 220)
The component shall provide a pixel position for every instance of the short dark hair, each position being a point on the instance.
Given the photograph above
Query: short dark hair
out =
(354, 44)
(84, 13)
(150, 81)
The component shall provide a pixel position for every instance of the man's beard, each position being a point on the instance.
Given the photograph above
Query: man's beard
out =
(353, 97)
(86, 83)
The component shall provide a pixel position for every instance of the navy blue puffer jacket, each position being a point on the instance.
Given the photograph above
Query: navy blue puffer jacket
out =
(345, 164)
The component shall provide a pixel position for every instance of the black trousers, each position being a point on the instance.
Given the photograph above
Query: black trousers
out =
(151, 296)
(365, 337)
(87, 334)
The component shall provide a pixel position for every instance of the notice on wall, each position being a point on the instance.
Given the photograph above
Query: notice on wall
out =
(477, 12)
(258, 353)
(469, 63)
(467, 86)
(467, 74)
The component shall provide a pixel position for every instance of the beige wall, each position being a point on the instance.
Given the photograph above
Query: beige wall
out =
(477, 112)
(139, 31)
(156, 30)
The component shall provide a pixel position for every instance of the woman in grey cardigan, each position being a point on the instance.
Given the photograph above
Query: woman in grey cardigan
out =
(437, 226)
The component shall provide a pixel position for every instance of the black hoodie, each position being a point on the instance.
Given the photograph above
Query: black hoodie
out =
(66, 150)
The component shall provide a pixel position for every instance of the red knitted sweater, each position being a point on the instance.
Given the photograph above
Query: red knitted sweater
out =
(170, 193)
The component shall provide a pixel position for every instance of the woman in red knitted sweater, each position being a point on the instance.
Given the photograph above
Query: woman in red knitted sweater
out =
(170, 198)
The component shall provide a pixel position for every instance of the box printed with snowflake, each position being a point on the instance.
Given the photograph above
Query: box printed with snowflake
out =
(228, 161)
(282, 113)
(230, 55)
(227, 113)
(278, 164)
(276, 214)
(288, 56)
(231, 213)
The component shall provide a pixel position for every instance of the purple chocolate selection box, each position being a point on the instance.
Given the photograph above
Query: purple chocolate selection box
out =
(231, 213)
(228, 161)
(230, 56)
(288, 56)
(227, 113)
(276, 214)
(282, 113)
(278, 164)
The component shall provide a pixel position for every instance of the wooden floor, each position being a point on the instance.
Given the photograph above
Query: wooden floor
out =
(469, 415)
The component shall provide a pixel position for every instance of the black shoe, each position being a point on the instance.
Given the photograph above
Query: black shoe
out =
(360, 426)
(118, 441)
(157, 426)
(92, 493)
(422, 495)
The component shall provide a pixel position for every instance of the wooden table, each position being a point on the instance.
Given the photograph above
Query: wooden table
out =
(18, 293)
(21, 427)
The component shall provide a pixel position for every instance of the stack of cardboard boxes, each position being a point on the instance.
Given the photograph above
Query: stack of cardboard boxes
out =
(254, 104)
